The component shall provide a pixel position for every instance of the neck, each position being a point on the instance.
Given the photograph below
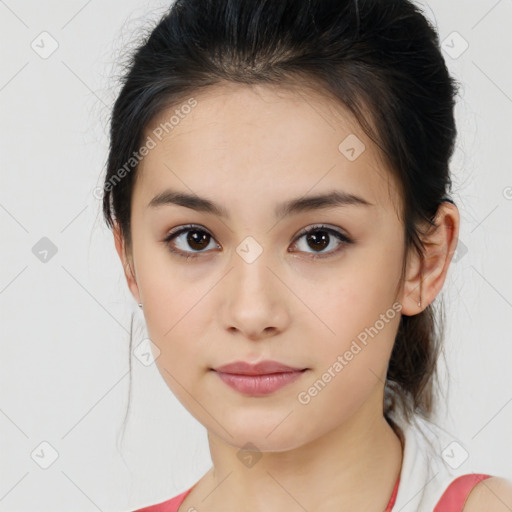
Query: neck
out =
(353, 467)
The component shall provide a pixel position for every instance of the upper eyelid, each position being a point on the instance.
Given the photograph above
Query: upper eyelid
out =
(315, 227)
(303, 231)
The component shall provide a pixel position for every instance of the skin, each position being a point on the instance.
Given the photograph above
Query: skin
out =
(249, 149)
(493, 494)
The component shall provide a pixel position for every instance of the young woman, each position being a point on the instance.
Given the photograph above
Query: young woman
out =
(277, 185)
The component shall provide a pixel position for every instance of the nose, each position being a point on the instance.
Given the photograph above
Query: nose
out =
(255, 299)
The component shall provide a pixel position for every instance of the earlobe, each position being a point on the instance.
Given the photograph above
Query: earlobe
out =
(125, 261)
(425, 279)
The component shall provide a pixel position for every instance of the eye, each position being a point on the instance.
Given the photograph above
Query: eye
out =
(319, 237)
(196, 238)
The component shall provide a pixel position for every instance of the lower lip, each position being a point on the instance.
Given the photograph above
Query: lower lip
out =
(258, 385)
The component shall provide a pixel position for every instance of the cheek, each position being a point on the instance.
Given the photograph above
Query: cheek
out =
(177, 322)
(373, 277)
(172, 292)
(359, 316)
(350, 303)
(177, 314)
(176, 330)
(351, 357)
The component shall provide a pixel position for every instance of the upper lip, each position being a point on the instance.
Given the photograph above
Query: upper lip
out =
(261, 368)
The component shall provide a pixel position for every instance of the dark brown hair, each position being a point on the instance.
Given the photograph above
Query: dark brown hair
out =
(379, 58)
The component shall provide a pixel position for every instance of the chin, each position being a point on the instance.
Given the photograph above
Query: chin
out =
(265, 436)
(262, 444)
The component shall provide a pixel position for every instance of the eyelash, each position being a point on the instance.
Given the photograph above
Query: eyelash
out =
(344, 240)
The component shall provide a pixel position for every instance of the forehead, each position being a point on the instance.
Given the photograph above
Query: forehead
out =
(288, 139)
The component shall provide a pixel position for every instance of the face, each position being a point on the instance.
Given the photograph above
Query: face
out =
(245, 284)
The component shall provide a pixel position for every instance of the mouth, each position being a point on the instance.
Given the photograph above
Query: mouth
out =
(258, 379)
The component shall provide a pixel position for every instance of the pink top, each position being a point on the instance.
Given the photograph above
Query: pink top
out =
(452, 500)
(455, 496)
(173, 504)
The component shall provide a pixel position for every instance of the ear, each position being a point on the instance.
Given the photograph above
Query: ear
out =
(126, 262)
(424, 281)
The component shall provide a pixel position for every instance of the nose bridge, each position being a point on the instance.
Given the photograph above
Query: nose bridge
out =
(254, 304)
(251, 265)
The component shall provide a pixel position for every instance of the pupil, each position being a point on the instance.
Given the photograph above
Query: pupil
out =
(194, 238)
(316, 239)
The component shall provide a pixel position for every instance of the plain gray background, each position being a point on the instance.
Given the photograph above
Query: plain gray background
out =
(66, 320)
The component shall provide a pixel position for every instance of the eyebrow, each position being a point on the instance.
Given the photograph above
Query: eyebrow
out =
(293, 206)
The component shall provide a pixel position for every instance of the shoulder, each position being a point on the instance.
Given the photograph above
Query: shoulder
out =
(171, 505)
(493, 494)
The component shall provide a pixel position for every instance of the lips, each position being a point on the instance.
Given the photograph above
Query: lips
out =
(261, 368)
(260, 379)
